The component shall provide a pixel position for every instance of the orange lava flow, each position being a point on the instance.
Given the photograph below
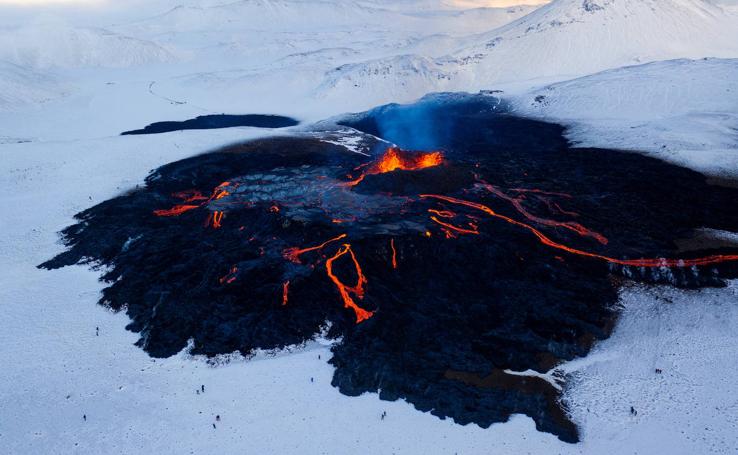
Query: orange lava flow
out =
(285, 292)
(394, 253)
(231, 277)
(220, 191)
(293, 254)
(191, 196)
(651, 263)
(176, 210)
(451, 230)
(215, 219)
(570, 225)
(443, 213)
(395, 158)
(347, 291)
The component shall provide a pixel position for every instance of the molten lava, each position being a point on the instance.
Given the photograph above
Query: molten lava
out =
(231, 277)
(649, 263)
(394, 253)
(452, 231)
(192, 196)
(293, 254)
(517, 202)
(176, 210)
(347, 291)
(285, 292)
(395, 158)
(215, 219)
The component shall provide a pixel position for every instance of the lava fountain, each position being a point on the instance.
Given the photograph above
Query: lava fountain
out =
(397, 159)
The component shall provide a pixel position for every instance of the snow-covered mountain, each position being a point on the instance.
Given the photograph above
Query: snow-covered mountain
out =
(564, 39)
(318, 15)
(267, 28)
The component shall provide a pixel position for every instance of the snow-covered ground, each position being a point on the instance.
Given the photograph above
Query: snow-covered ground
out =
(72, 79)
(682, 111)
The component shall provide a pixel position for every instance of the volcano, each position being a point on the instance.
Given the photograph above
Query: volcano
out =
(469, 246)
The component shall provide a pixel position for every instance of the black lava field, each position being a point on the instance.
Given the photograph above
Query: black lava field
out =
(478, 245)
(209, 122)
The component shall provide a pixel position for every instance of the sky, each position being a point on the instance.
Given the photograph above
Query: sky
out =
(459, 3)
(462, 3)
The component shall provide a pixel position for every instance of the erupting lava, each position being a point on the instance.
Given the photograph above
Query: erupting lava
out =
(346, 291)
(649, 263)
(395, 158)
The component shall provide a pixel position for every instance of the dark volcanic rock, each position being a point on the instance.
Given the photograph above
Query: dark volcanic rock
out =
(210, 122)
(457, 297)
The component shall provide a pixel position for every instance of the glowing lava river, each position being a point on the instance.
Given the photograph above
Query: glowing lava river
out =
(453, 245)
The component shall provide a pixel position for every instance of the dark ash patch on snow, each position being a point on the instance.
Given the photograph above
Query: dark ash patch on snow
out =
(455, 313)
(209, 122)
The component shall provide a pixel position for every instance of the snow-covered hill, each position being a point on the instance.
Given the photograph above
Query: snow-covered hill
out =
(264, 29)
(561, 40)
(57, 44)
(683, 111)
(20, 86)
(321, 15)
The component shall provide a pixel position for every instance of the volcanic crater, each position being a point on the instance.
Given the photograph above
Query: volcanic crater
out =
(461, 247)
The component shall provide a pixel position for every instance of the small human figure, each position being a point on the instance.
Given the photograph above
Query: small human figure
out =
(318, 356)
(217, 418)
(84, 417)
(658, 371)
(197, 391)
(97, 331)
(312, 380)
(202, 387)
(384, 414)
(213, 426)
(633, 412)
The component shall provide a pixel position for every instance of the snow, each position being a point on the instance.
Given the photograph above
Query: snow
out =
(691, 406)
(560, 41)
(65, 97)
(682, 111)
(76, 47)
(22, 86)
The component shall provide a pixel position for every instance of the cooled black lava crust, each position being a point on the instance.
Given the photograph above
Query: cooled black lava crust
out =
(455, 313)
(209, 122)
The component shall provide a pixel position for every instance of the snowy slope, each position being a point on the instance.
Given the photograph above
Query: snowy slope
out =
(585, 36)
(57, 44)
(318, 15)
(564, 39)
(262, 29)
(683, 111)
(20, 86)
